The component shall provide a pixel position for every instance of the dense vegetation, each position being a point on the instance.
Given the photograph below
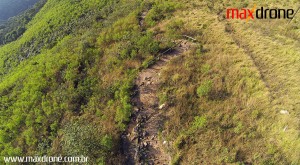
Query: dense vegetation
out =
(66, 82)
(65, 90)
(10, 8)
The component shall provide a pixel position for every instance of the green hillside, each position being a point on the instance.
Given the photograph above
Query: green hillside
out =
(67, 81)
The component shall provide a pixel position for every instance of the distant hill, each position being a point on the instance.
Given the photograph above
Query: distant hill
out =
(14, 27)
(10, 8)
(2, 21)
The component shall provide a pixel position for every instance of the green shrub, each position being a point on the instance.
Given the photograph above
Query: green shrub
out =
(238, 128)
(82, 138)
(162, 97)
(107, 142)
(124, 108)
(174, 29)
(180, 141)
(255, 114)
(205, 68)
(204, 88)
(199, 122)
(123, 115)
(148, 62)
(147, 45)
(176, 159)
(199, 50)
(160, 10)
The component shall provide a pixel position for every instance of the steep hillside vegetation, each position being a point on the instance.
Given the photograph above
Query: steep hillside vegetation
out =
(65, 90)
(233, 97)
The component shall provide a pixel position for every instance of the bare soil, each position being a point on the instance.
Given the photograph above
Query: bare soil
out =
(141, 142)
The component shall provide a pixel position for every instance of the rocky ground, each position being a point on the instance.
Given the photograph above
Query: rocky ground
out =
(142, 143)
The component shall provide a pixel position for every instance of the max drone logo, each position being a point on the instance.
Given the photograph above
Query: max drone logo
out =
(261, 13)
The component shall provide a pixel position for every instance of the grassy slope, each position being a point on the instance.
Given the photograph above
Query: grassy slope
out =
(74, 66)
(254, 75)
(70, 95)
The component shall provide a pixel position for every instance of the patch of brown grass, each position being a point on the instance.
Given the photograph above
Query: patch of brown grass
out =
(252, 80)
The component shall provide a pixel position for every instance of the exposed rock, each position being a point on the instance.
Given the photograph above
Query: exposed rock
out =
(140, 118)
(134, 137)
(284, 112)
(145, 144)
(143, 83)
(136, 109)
(162, 106)
(135, 129)
(144, 117)
(147, 120)
(148, 78)
(145, 133)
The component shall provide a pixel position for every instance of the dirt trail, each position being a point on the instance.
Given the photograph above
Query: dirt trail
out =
(141, 143)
